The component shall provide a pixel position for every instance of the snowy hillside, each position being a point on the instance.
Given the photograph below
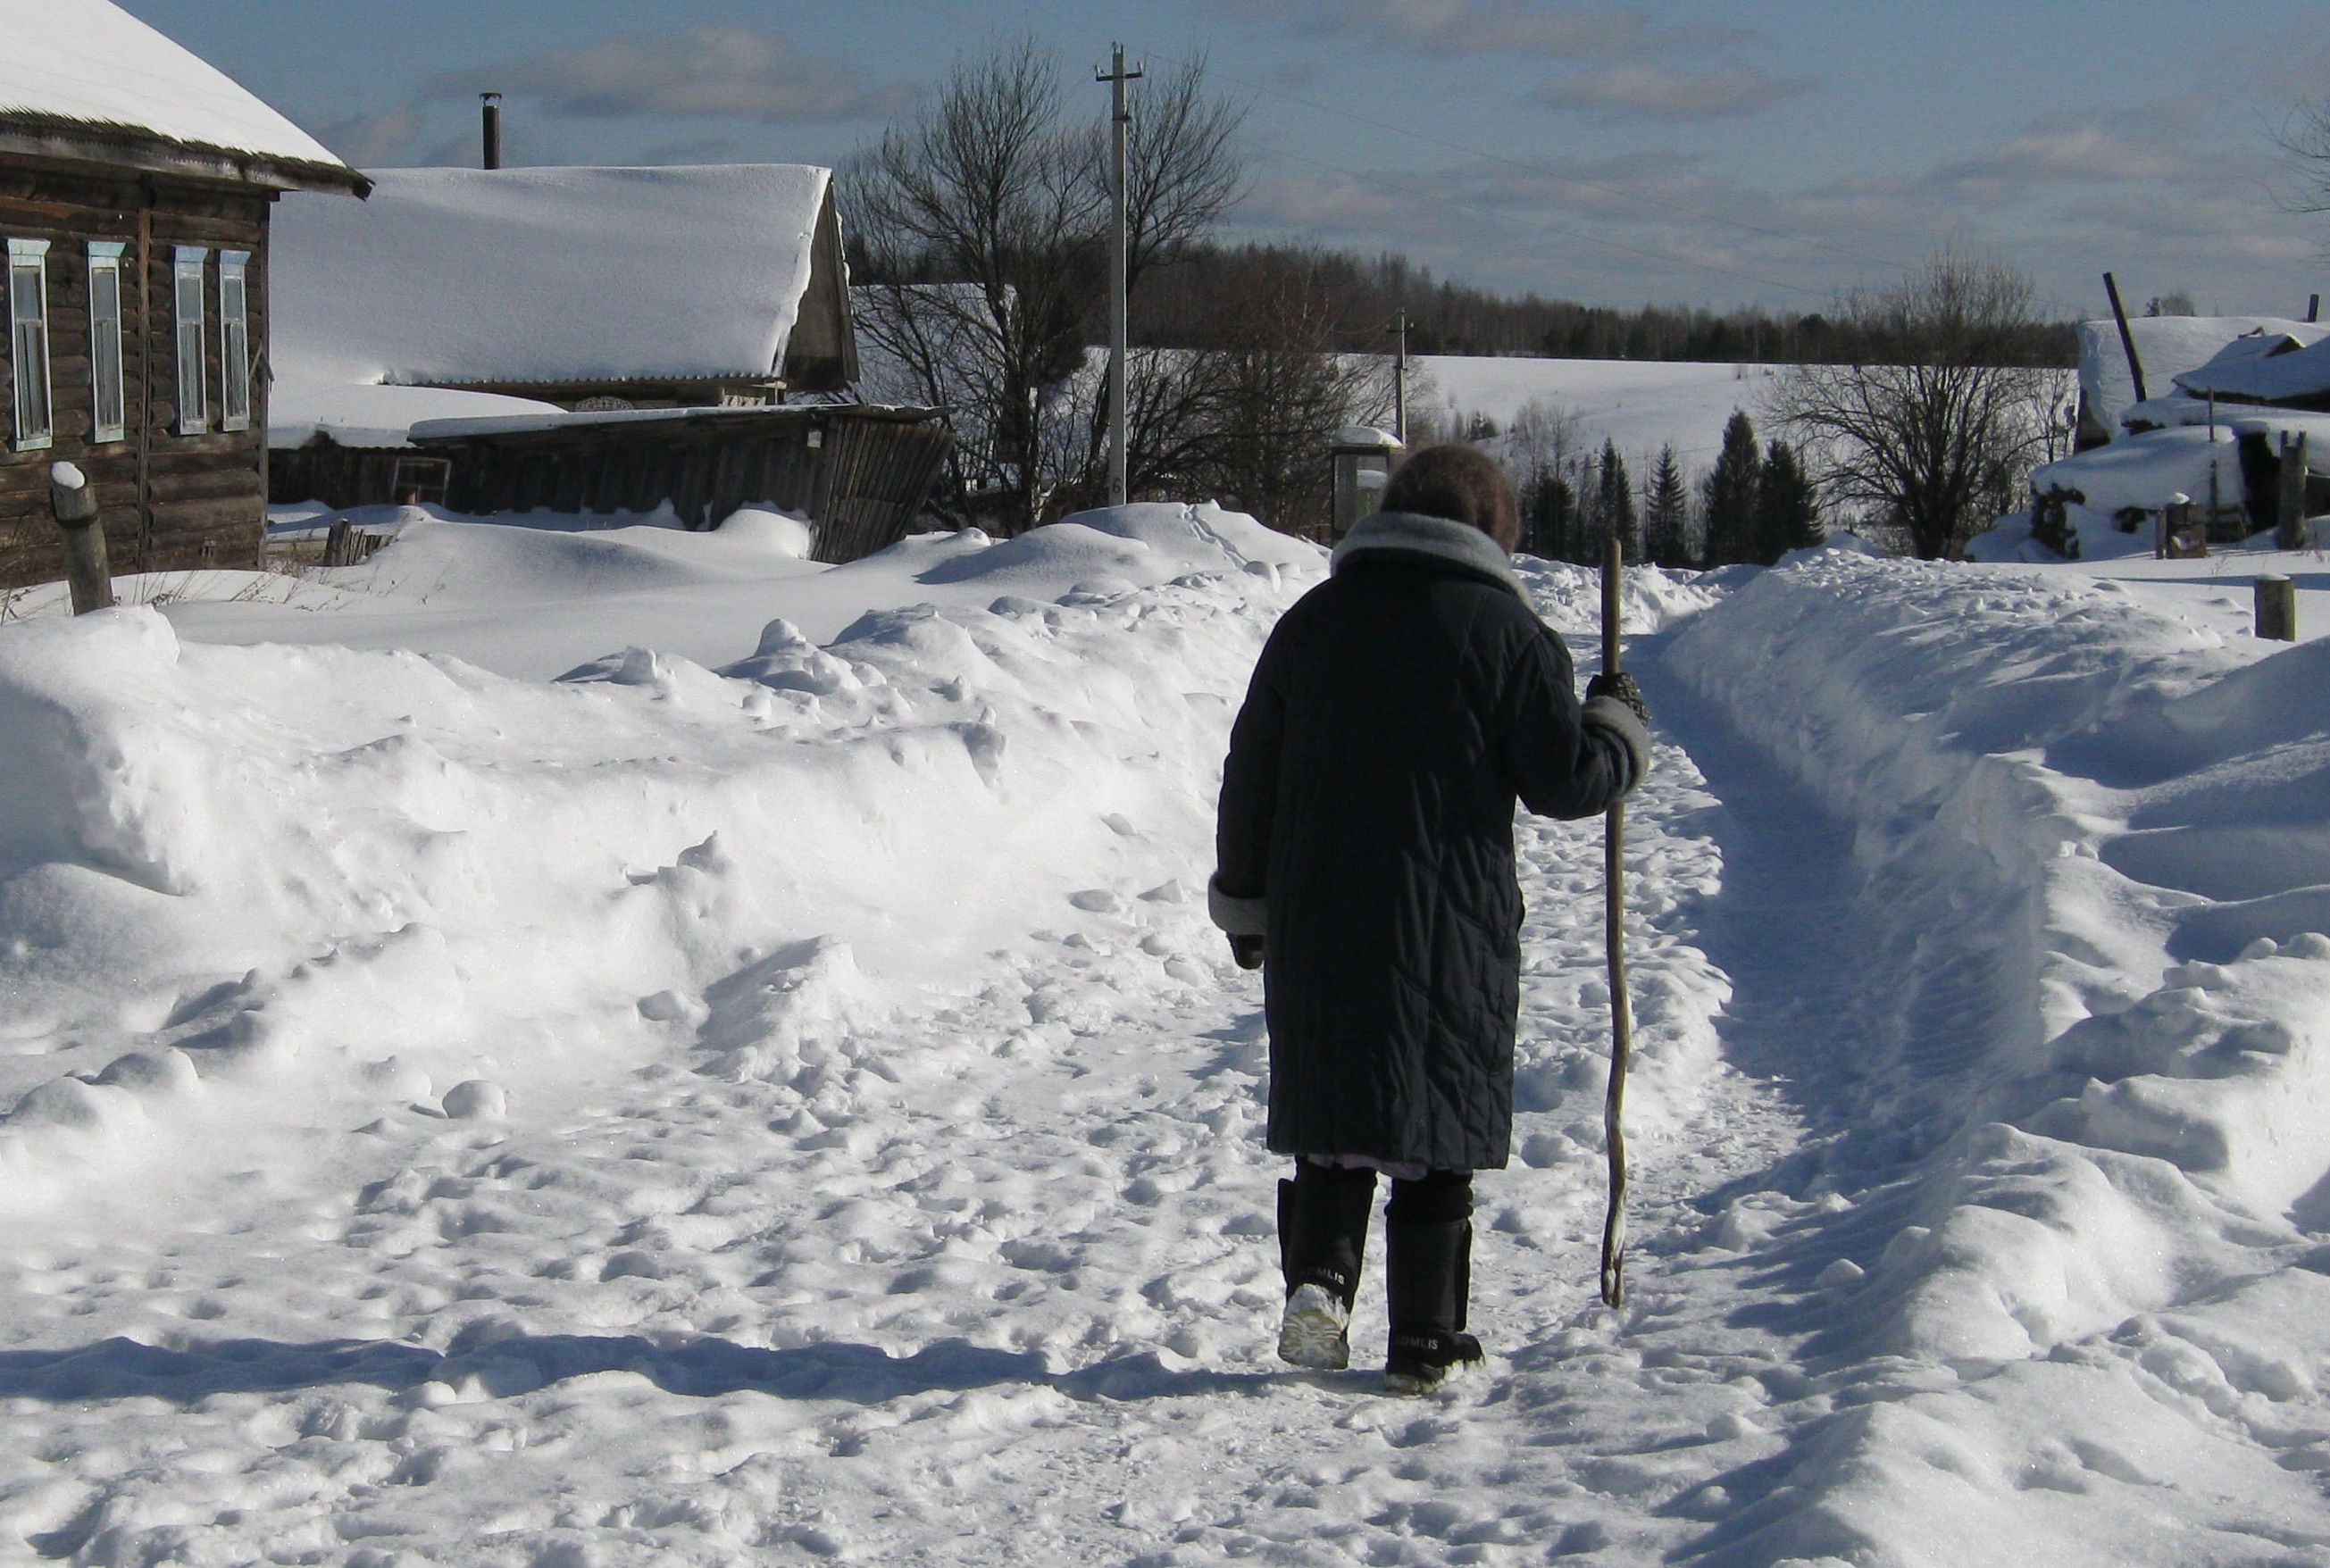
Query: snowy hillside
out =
(1641, 404)
(772, 1094)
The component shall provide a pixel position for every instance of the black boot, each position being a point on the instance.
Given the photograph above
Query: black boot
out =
(1322, 1232)
(1428, 1272)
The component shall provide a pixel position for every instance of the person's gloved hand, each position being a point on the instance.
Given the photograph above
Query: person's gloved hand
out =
(1618, 684)
(1248, 952)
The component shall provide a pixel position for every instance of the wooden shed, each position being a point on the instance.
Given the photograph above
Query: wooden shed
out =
(136, 187)
(859, 472)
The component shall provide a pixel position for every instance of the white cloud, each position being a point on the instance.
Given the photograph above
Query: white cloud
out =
(1474, 27)
(2065, 152)
(700, 70)
(1631, 91)
(376, 139)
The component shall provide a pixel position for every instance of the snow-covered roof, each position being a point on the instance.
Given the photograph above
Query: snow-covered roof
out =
(89, 66)
(2169, 346)
(2263, 369)
(378, 416)
(547, 275)
(2145, 470)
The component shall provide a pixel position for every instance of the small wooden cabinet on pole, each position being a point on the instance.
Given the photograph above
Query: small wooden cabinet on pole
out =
(1362, 459)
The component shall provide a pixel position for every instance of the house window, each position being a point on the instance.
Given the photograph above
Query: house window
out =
(234, 341)
(421, 480)
(107, 421)
(28, 341)
(194, 392)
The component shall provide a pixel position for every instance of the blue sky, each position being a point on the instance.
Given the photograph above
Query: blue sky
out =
(1685, 152)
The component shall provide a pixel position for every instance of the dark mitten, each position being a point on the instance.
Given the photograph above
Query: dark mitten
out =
(1248, 952)
(1618, 684)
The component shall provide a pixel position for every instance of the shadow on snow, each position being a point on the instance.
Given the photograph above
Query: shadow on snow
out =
(508, 1368)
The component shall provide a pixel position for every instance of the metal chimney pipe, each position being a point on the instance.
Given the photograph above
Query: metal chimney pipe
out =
(492, 106)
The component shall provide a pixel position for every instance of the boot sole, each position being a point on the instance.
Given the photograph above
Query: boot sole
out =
(1410, 1382)
(1314, 1339)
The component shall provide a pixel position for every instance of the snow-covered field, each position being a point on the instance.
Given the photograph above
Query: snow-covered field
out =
(773, 1093)
(1641, 404)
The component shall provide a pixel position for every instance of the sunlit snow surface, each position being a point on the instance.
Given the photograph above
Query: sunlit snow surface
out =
(772, 1094)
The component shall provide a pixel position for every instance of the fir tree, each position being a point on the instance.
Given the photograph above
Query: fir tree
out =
(1730, 490)
(1666, 514)
(1581, 544)
(1548, 515)
(1787, 509)
(1614, 505)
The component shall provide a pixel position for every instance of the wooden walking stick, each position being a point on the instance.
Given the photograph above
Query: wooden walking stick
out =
(1613, 916)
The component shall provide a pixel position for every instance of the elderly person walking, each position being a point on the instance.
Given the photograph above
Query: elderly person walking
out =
(1365, 862)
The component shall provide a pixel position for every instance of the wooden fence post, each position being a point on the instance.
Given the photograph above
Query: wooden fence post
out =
(2176, 521)
(2277, 608)
(74, 505)
(2291, 532)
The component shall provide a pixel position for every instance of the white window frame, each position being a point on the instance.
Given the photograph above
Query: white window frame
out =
(28, 342)
(187, 266)
(234, 340)
(427, 478)
(105, 347)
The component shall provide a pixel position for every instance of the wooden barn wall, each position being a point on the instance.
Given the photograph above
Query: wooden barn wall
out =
(337, 476)
(865, 484)
(169, 501)
(876, 474)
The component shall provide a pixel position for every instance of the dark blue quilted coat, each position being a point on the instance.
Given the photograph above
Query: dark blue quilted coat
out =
(1397, 713)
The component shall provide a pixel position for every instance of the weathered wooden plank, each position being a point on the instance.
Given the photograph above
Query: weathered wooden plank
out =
(238, 518)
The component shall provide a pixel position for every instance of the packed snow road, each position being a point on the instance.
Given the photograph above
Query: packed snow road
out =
(803, 1113)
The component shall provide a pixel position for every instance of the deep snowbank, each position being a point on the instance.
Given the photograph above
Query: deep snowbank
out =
(428, 875)
(2097, 1008)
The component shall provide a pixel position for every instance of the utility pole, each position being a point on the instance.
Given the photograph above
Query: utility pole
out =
(1116, 76)
(1399, 329)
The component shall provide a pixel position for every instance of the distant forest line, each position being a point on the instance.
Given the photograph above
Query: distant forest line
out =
(1178, 305)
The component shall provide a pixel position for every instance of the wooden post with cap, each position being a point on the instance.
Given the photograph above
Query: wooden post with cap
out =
(74, 505)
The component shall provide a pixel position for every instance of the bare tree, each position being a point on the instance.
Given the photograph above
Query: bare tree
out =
(2304, 138)
(1544, 436)
(986, 194)
(1274, 395)
(1937, 437)
(983, 228)
(1181, 174)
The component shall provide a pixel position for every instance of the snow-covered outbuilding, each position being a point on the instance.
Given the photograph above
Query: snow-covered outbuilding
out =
(137, 182)
(2274, 368)
(588, 340)
(2223, 396)
(2169, 347)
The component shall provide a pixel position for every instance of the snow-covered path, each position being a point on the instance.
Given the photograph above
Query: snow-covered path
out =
(992, 1282)
(805, 1114)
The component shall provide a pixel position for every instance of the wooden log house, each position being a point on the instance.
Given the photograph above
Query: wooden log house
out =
(135, 184)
